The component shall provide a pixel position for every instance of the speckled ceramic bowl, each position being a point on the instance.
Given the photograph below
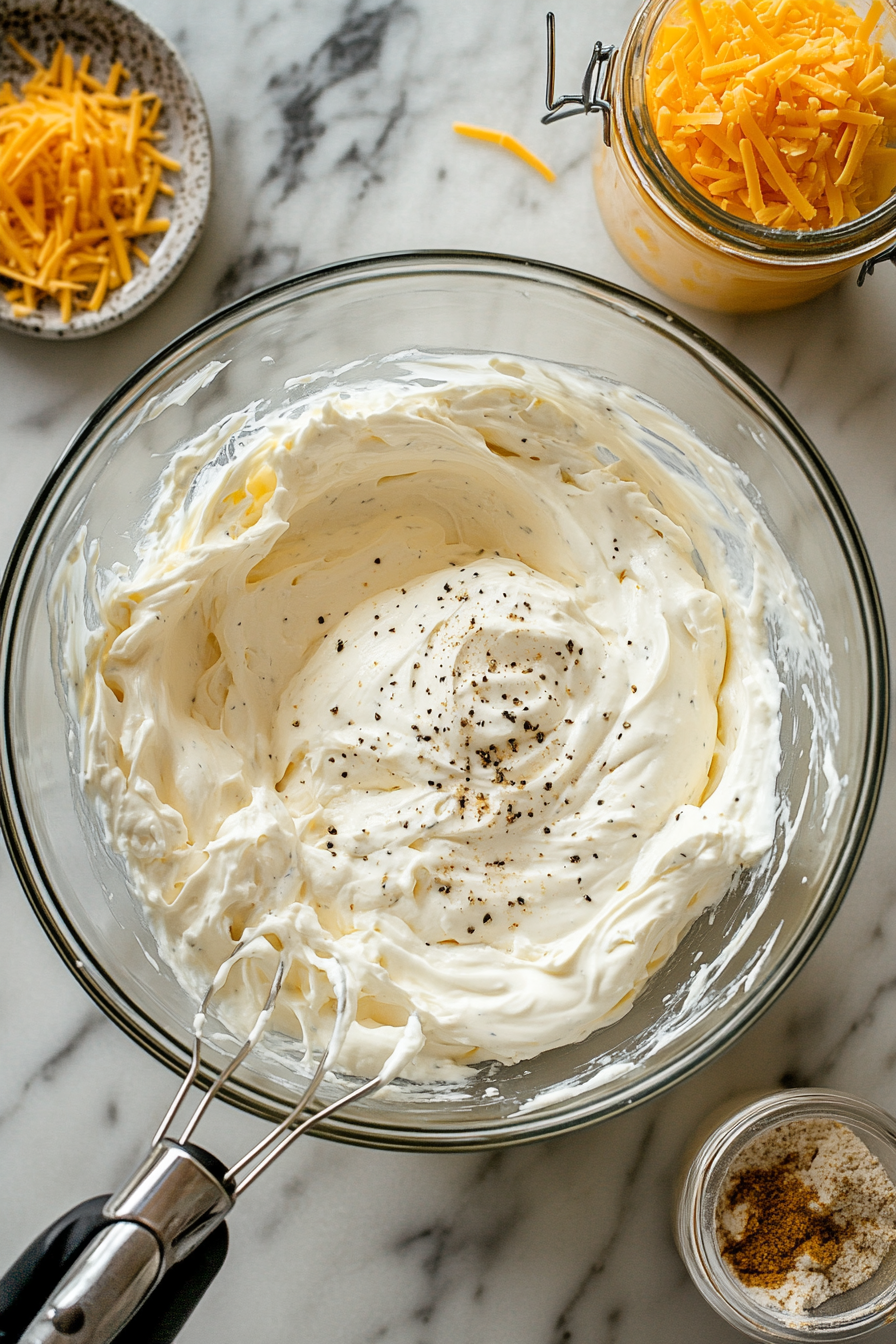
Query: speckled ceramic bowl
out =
(111, 32)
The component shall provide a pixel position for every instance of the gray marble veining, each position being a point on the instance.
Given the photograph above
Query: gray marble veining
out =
(332, 126)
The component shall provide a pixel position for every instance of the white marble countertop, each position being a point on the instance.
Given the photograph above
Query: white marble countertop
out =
(332, 127)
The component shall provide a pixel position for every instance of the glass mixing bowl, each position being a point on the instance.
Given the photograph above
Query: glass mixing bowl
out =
(759, 935)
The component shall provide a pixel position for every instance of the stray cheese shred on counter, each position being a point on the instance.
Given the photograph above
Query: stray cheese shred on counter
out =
(79, 172)
(782, 112)
(508, 142)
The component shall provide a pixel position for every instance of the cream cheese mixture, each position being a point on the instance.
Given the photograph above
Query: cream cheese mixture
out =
(457, 685)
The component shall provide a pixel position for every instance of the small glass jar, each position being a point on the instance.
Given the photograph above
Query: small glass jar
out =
(680, 241)
(705, 1167)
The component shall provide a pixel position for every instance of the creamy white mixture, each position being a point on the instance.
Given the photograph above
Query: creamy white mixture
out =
(457, 685)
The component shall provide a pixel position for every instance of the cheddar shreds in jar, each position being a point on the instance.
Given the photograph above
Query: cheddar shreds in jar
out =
(751, 161)
(783, 112)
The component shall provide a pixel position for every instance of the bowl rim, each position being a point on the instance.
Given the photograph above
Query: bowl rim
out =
(193, 195)
(355, 1128)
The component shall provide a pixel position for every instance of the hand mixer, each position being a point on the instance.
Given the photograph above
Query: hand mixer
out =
(133, 1265)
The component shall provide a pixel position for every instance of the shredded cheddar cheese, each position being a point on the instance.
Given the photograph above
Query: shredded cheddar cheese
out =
(505, 141)
(782, 112)
(80, 168)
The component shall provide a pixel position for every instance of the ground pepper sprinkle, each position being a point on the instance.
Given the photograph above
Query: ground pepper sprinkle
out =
(807, 1212)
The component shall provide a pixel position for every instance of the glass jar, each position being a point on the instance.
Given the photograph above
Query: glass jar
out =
(680, 241)
(706, 1163)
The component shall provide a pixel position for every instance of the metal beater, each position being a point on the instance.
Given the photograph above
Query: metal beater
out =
(180, 1193)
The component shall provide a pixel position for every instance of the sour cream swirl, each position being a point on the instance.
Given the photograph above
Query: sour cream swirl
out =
(454, 679)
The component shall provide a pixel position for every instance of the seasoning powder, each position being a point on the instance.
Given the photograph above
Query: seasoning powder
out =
(806, 1212)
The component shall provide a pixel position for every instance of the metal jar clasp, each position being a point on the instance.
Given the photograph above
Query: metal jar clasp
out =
(595, 85)
(868, 266)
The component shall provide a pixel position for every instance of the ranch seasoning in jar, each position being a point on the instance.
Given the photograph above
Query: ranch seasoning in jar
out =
(807, 1213)
(785, 1214)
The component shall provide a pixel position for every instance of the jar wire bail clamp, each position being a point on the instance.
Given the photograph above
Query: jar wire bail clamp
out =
(595, 84)
(868, 266)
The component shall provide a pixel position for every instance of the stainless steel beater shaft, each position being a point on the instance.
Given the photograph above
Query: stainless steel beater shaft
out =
(176, 1197)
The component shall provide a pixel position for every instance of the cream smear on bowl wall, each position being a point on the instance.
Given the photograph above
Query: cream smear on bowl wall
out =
(459, 681)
